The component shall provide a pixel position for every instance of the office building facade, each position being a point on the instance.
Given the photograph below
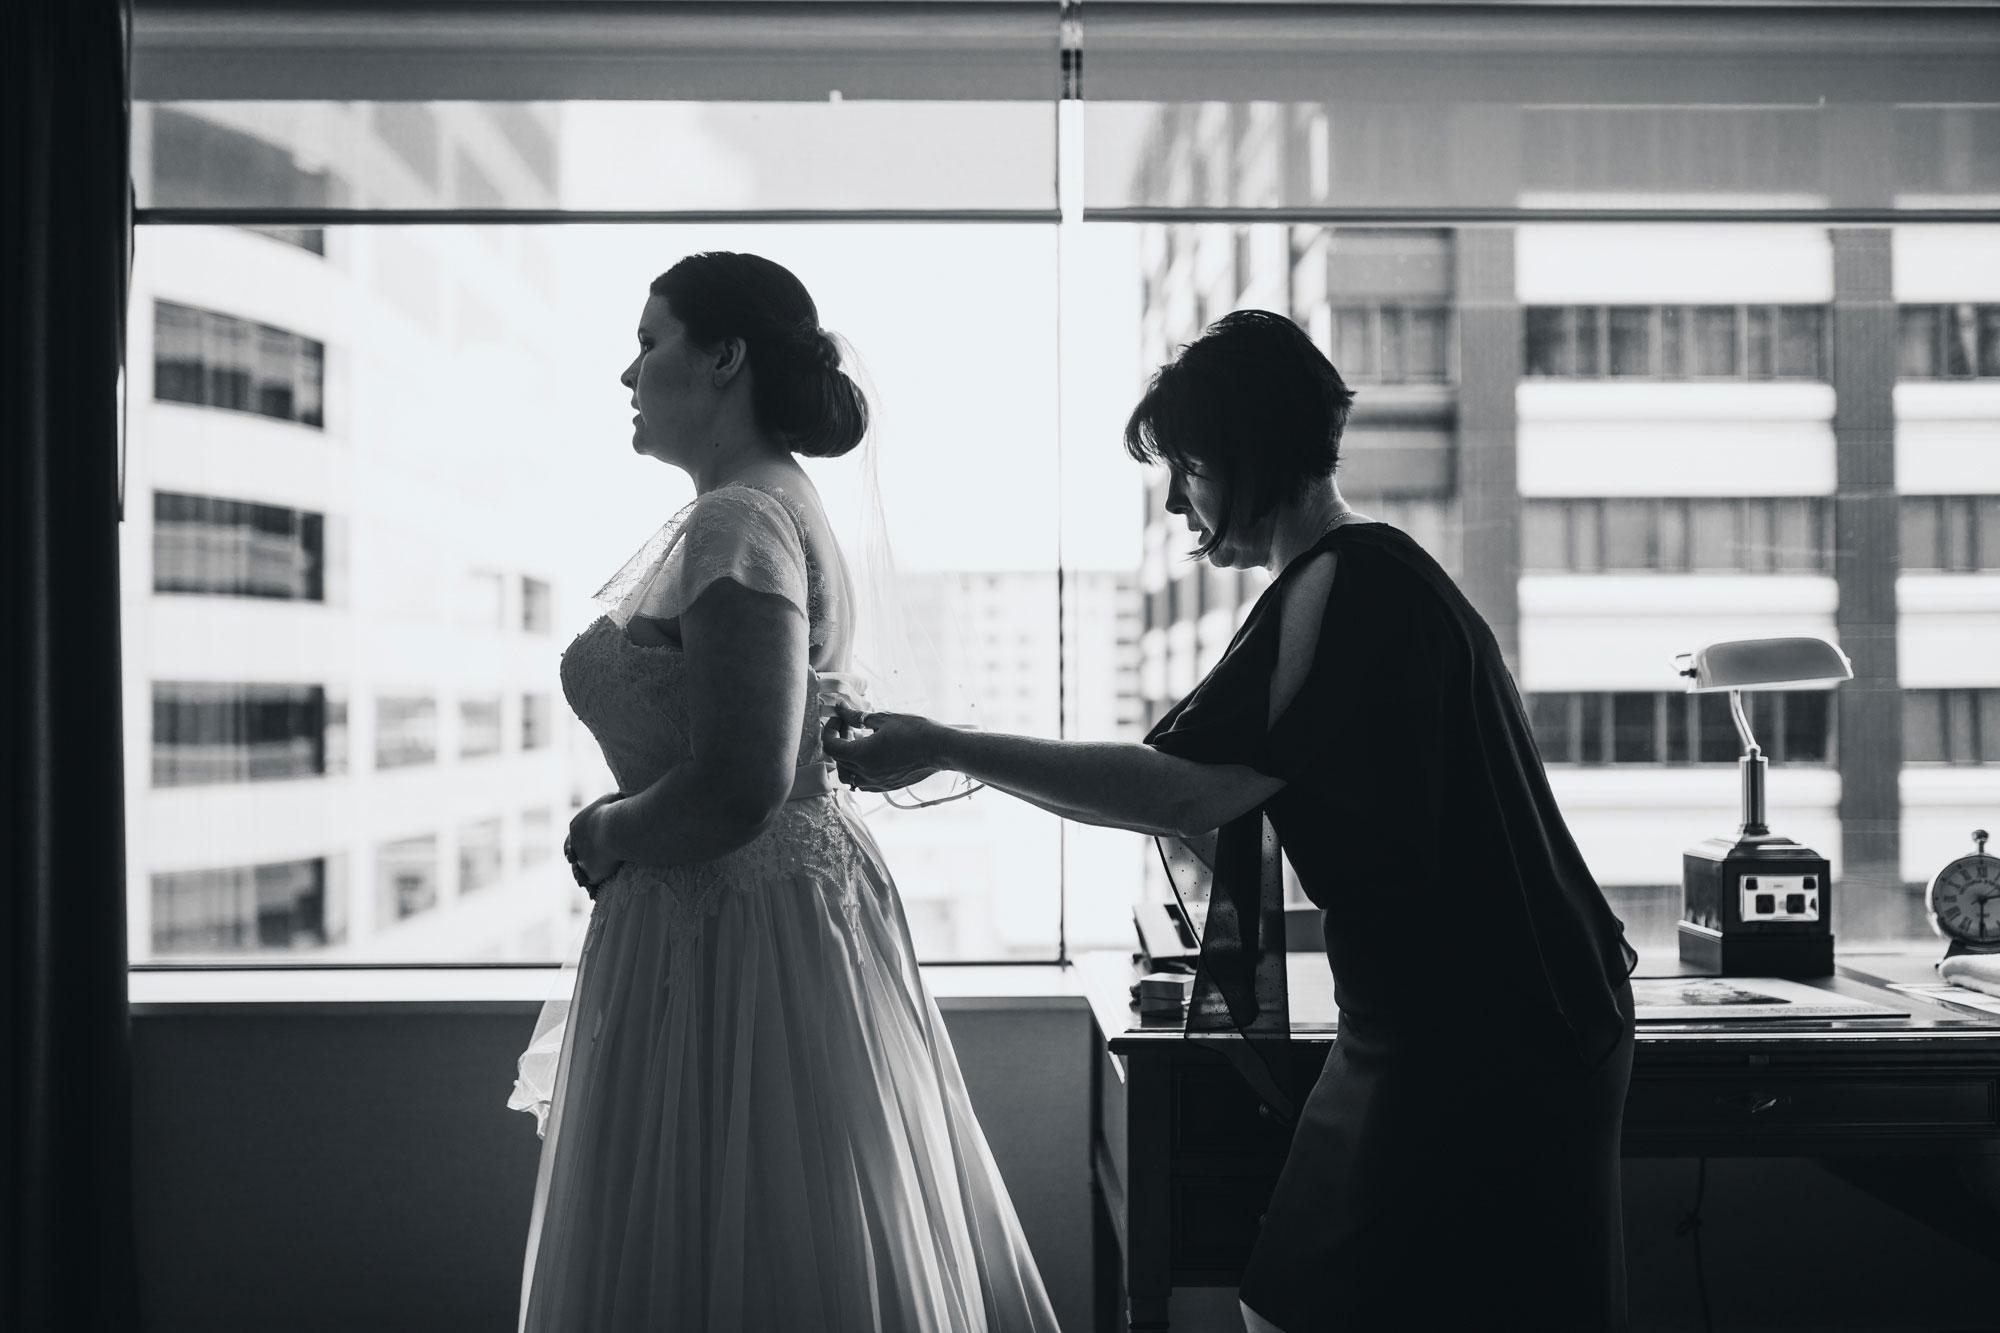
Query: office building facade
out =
(342, 731)
(1627, 440)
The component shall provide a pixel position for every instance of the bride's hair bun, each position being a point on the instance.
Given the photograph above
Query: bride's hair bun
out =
(799, 390)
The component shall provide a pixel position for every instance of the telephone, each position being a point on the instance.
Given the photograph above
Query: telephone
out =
(1168, 941)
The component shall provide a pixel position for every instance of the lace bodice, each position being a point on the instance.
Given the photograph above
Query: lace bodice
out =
(633, 698)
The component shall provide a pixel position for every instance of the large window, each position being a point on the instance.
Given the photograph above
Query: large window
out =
(1584, 289)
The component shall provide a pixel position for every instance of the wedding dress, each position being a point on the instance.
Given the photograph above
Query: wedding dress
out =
(756, 1121)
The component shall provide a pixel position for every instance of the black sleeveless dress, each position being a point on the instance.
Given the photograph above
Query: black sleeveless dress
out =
(1457, 1163)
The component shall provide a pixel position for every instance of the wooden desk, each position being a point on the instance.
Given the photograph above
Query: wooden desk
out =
(1183, 1196)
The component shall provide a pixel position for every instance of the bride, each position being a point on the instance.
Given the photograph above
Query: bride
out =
(756, 1121)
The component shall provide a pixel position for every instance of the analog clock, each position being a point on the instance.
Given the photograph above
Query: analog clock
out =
(1964, 901)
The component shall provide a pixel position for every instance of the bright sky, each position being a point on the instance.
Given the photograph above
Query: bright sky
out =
(956, 326)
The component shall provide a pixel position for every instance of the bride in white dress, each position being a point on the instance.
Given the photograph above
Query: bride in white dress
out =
(756, 1120)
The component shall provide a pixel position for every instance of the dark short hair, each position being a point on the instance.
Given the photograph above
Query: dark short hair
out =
(800, 393)
(1253, 399)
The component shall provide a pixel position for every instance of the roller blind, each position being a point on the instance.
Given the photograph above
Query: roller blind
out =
(1662, 53)
(1685, 109)
(551, 50)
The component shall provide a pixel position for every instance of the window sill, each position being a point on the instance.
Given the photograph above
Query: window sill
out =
(500, 990)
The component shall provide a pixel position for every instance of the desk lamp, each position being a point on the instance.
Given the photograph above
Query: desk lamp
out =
(1758, 904)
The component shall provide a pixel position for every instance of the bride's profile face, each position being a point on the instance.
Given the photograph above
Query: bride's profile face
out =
(674, 387)
(1199, 497)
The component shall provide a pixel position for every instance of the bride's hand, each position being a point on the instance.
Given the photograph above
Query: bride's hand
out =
(584, 847)
(899, 749)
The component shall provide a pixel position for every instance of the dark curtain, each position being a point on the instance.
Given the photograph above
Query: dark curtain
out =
(66, 1244)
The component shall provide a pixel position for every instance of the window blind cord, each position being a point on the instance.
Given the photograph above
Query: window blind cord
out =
(1691, 1226)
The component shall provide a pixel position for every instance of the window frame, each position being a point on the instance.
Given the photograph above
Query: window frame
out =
(156, 60)
(537, 718)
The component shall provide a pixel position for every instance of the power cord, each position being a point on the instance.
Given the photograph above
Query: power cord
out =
(1691, 1226)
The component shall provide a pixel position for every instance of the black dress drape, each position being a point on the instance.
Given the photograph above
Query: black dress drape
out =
(66, 1247)
(1468, 1118)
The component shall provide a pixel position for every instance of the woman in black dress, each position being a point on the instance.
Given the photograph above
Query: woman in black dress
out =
(1457, 1163)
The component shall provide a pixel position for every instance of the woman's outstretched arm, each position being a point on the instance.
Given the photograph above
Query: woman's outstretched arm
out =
(1115, 784)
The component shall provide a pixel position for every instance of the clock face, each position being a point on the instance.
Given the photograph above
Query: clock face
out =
(1965, 900)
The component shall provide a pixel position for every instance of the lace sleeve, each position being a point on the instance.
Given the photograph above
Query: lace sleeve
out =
(737, 533)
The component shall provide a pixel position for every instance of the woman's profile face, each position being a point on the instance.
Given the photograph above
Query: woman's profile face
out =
(1197, 495)
(674, 387)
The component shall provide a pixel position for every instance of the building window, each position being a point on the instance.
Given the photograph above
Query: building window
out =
(411, 130)
(537, 606)
(406, 877)
(475, 188)
(535, 721)
(1949, 342)
(478, 727)
(1951, 726)
(537, 835)
(531, 138)
(482, 601)
(1951, 532)
(336, 734)
(1947, 150)
(198, 162)
(405, 731)
(240, 908)
(479, 856)
(1672, 727)
(233, 548)
(207, 732)
(1763, 535)
(1392, 344)
(214, 360)
(1756, 342)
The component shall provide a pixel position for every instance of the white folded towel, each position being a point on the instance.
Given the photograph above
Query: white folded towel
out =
(1977, 971)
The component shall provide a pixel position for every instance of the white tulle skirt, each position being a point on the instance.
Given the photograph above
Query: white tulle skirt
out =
(756, 1121)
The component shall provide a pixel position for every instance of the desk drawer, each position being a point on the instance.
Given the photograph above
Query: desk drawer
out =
(1791, 1105)
(1216, 1219)
(1216, 1114)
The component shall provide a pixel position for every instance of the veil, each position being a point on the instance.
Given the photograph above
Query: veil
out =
(901, 662)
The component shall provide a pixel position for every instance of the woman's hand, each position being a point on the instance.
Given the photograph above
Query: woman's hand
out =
(584, 846)
(900, 749)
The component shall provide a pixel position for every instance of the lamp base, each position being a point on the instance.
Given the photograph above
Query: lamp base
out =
(1756, 905)
(1756, 955)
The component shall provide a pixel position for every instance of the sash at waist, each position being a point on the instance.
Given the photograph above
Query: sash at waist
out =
(812, 780)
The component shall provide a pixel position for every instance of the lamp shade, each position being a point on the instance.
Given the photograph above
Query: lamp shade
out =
(1765, 664)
